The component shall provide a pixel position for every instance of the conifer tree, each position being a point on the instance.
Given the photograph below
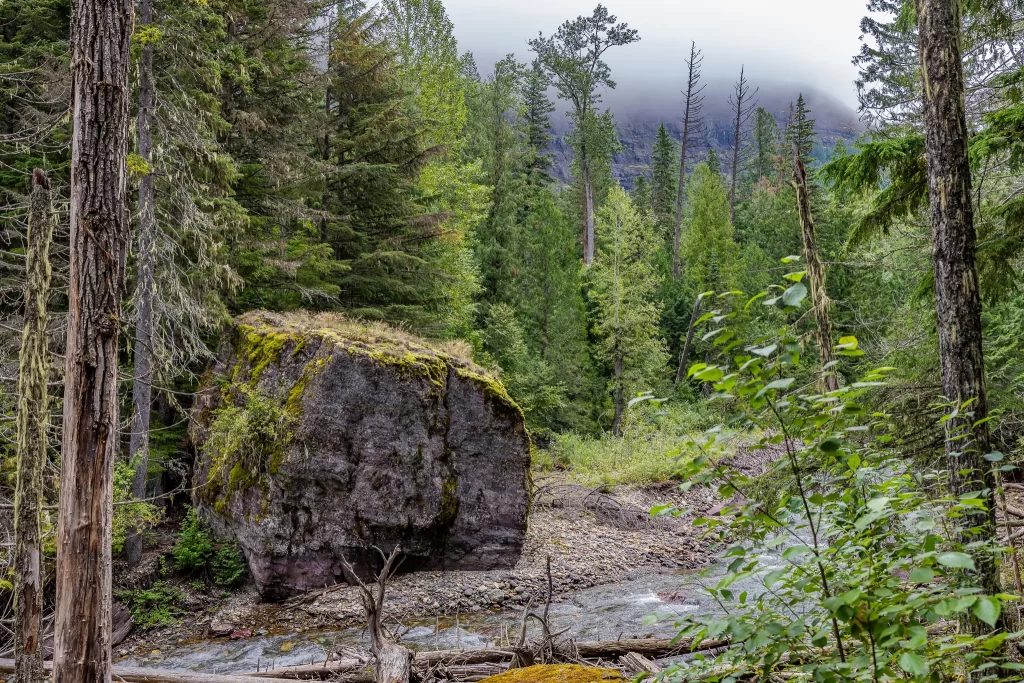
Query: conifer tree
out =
(574, 56)
(641, 195)
(766, 144)
(800, 133)
(537, 110)
(664, 176)
(626, 311)
(710, 247)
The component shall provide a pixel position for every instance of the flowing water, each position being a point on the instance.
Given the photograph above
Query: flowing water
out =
(599, 613)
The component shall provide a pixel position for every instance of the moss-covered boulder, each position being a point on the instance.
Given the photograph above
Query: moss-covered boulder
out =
(319, 438)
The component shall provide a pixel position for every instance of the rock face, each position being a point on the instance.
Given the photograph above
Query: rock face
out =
(319, 438)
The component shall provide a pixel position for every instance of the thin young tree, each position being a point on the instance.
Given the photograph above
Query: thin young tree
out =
(101, 32)
(692, 130)
(743, 108)
(33, 419)
(574, 56)
(142, 380)
(957, 297)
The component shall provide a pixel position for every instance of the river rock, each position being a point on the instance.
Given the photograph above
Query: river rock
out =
(319, 438)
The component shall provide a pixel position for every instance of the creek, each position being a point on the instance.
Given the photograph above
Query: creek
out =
(599, 613)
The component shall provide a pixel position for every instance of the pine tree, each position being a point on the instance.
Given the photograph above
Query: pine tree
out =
(713, 162)
(664, 177)
(626, 312)
(801, 134)
(766, 144)
(711, 249)
(574, 56)
(537, 110)
(641, 195)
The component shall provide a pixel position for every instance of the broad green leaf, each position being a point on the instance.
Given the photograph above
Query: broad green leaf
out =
(922, 575)
(913, 664)
(987, 610)
(794, 295)
(956, 560)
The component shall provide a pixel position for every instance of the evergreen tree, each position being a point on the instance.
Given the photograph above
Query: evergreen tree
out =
(574, 56)
(664, 177)
(714, 163)
(766, 144)
(711, 251)
(641, 195)
(537, 110)
(801, 135)
(624, 284)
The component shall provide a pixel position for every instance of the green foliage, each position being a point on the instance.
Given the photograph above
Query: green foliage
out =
(228, 565)
(131, 516)
(649, 450)
(624, 283)
(664, 177)
(193, 546)
(710, 252)
(870, 570)
(800, 134)
(155, 606)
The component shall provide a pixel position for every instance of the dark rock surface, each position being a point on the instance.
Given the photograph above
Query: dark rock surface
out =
(319, 438)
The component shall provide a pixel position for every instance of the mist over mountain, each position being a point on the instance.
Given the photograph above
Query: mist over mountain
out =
(639, 114)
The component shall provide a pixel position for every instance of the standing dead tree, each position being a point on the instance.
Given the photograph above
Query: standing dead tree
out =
(142, 380)
(393, 661)
(743, 104)
(815, 275)
(692, 132)
(101, 32)
(33, 419)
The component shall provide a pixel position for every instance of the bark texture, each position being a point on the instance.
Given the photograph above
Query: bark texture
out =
(620, 395)
(142, 381)
(101, 33)
(820, 303)
(957, 298)
(33, 417)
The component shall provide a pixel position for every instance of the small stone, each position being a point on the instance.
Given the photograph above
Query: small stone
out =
(219, 628)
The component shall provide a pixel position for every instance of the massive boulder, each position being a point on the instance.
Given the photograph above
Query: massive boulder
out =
(320, 438)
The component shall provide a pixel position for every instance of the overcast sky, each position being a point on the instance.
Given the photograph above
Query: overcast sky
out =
(785, 44)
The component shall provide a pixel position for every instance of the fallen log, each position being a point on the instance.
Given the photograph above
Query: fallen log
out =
(650, 648)
(638, 664)
(133, 674)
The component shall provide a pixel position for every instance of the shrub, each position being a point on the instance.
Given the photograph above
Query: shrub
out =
(228, 565)
(879, 559)
(649, 449)
(194, 547)
(138, 516)
(155, 606)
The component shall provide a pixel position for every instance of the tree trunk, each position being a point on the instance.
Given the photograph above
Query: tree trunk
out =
(33, 418)
(815, 275)
(684, 355)
(677, 240)
(957, 298)
(588, 216)
(741, 96)
(101, 33)
(142, 382)
(620, 397)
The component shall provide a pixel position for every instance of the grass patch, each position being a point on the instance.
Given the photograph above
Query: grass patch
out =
(651, 449)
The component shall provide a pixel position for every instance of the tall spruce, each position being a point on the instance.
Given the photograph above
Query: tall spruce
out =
(801, 130)
(100, 57)
(537, 110)
(693, 130)
(624, 284)
(766, 144)
(664, 177)
(574, 56)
